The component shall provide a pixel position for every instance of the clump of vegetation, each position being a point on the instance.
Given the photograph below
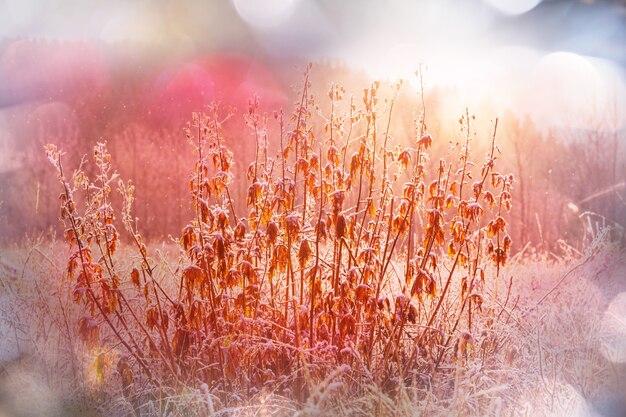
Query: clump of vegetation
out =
(358, 263)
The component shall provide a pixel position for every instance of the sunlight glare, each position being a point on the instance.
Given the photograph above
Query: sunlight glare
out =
(442, 70)
(556, 89)
(570, 89)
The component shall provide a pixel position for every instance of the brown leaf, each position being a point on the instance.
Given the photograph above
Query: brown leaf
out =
(425, 141)
(362, 293)
(304, 254)
(347, 325)
(134, 277)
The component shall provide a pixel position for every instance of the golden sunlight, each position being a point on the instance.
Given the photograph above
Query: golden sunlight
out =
(213, 208)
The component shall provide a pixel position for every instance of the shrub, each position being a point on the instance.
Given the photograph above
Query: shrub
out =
(352, 255)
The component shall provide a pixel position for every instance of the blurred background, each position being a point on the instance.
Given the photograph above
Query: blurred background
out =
(553, 72)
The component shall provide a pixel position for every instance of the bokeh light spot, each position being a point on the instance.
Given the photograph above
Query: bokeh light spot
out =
(264, 14)
(514, 7)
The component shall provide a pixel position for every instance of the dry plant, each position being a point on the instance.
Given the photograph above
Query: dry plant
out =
(356, 267)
